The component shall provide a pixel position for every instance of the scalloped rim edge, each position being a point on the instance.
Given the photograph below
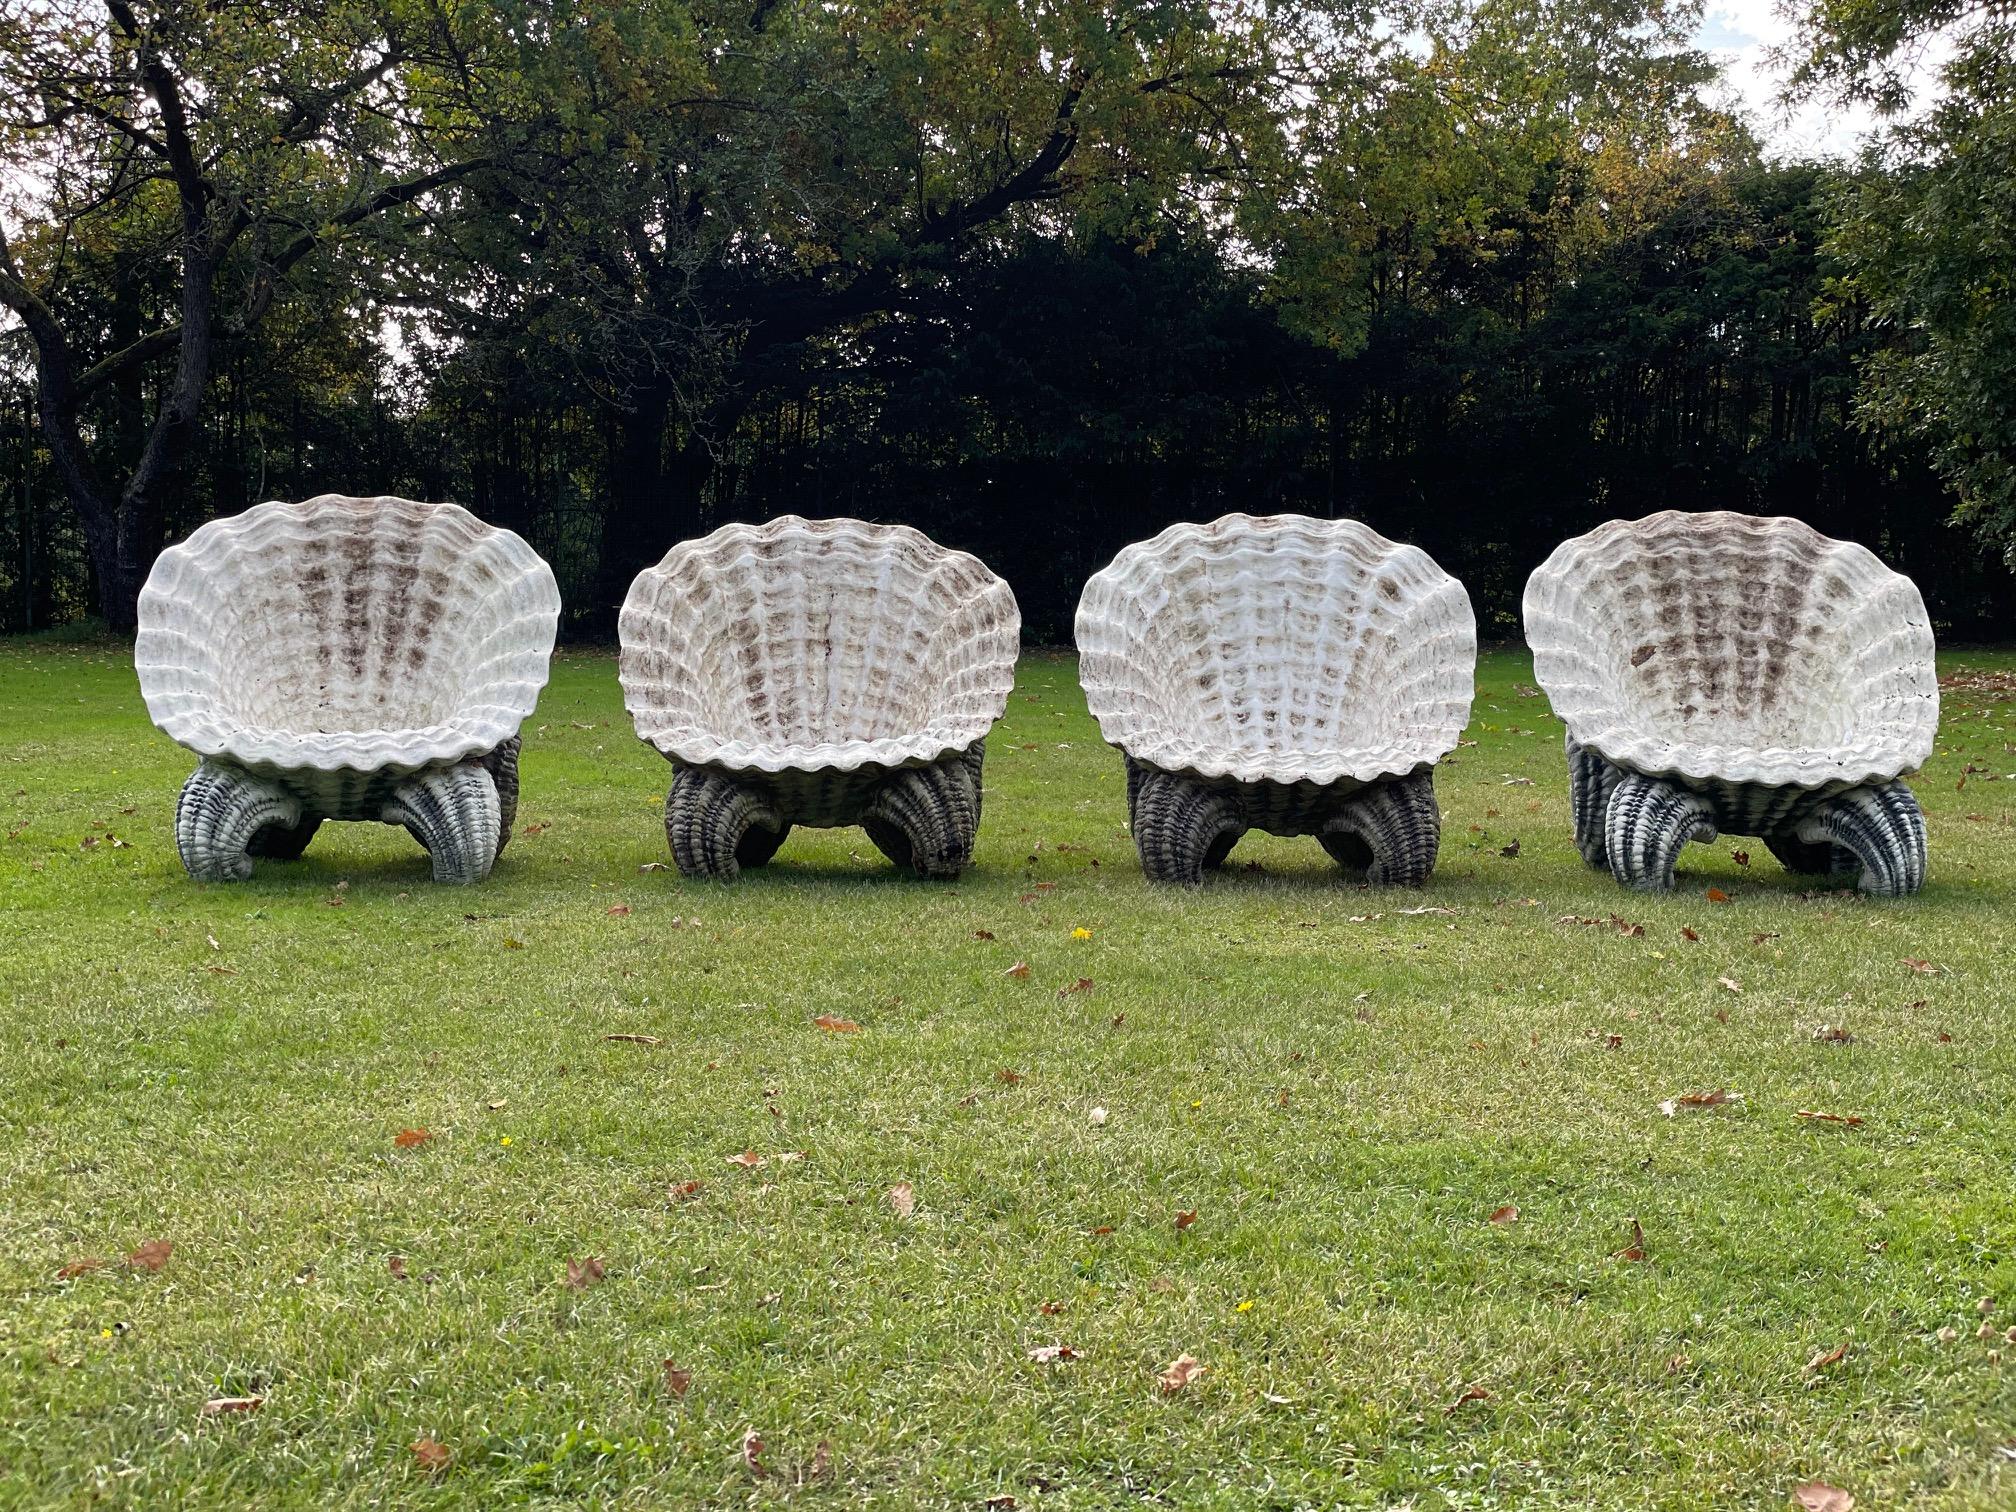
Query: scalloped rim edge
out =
(280, 752)
(693, 747)
(1288, 770)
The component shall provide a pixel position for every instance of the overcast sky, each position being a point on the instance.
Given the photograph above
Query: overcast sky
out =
(1739, 34)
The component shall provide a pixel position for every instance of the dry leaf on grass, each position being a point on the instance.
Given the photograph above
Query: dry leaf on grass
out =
(620, 911)
(1182, 1370)
(748, 1160)
(833, 1024)
(677, 1381)
(1505, 1214)
(406, 1139)
(1083, 984)
(903, 1198)
(1019, 970)
(396, 1264)
(1096, 1117)
(81, 1266)
(633, 1039)
(1470, 1394)
(1720, 1097)
(683, 1191)
(1852, 1120)
(1635, 1250)
(1729, 982)
(1827, 1357)
(431, 1456)
(1185, 1218)
(218, 1406)
(1008, 1076)
(1716, 895)
(752, 1453)
(1924, 968)
(582, 1274)
(1816, 1497)
(1050, 1354)
(152, 1255)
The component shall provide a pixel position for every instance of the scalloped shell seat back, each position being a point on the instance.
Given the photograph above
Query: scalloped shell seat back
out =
(346, 658)
(1724, 673)
(823, 673)
(1281, 673)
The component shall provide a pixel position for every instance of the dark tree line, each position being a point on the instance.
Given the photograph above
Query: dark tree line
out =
(613, 276)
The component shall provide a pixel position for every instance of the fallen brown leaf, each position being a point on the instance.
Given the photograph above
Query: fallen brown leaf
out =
(1185, 1219)
(748, 1160)
(1047, 1354)
(1505, 1214)
(903, 1198)
(677, 1381)
(433, 1457)
(396, 1264)
(1005, 1502)
(1008, 1076)
(983, 934)
(1083, 984)
(1716, 895)
(833, 1024)
(218, 1406)
(151, 1256)
(582, 1274)
(752, 1453)
(1470, 1394)
(683, 1191)
(1828, 1357)
(1816, 1497)
(620, 911)
(1687, 933)
(1924, 968)
(633, 1039)
(1051, 1309)
(1635, 1250)
(1852, 1120)
(81, 1266)
(1729, 982)
(406, 1139)
(1720, 1097)
(1182, 1370)
(1019, 970)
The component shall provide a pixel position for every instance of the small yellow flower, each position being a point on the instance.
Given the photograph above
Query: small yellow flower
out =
(104, 1333)
(505, 1141)
(1246, 1306)
(1081, 933)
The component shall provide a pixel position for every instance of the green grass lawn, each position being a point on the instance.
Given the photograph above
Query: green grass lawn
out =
(1342, 1086)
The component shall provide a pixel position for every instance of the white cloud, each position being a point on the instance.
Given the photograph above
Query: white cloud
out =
(1740, 35)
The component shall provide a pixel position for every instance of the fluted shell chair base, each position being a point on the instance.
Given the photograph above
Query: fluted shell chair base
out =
(461, 813)
(1185, 826)
(1637, 825)
(923, 817)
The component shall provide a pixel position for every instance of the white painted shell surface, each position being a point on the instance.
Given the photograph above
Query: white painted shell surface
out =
(346, 635)
(1278, 648)
(816, 645)
(1730, 648)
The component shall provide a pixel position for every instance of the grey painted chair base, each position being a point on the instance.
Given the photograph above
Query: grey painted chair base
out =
(1184, 826)
(1637, 825)
(924, 818)
(228, 816)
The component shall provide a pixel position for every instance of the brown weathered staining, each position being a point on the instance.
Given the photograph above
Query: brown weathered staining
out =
(819, 673)
(346, 659)
(1730, 674)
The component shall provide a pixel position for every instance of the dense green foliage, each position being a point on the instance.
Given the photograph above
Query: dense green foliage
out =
(1926, 235)
(1039, 279)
